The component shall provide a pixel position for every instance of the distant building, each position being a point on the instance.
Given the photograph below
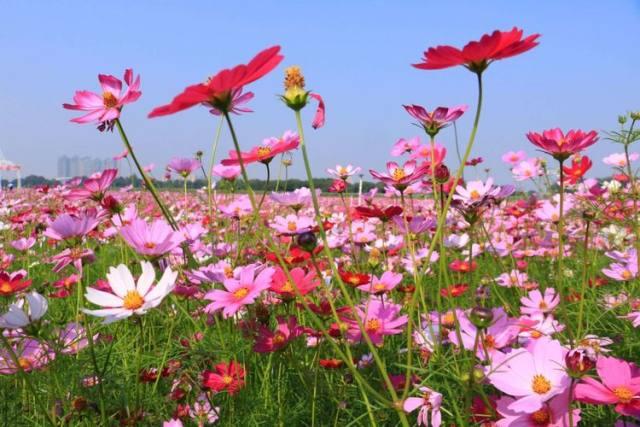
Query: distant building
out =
(69, 167)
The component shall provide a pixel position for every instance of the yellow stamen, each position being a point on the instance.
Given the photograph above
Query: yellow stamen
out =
(241, 293)
(109, 100)
(623, 394)
(293, 78)
(540, 384)
(133, 300)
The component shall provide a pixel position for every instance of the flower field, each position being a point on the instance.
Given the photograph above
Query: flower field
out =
(430, 300)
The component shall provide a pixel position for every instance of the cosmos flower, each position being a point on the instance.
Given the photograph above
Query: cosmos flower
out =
(303, 282)
(183, 166)
(19, 315)
(403, 146)
(400, 177)
(155, 239)
(11, 283)
(379, 319)
(619, 160)
(106, 107)
(227, 376)
(477, 55)
(269, 341)
(218, 92)
(429, 404)
(127, 297)
(380, 285)
(265, 152)
(514, 157)
(292, 224)
(560, 145)
(24, 243)
(343, 172)
(67, 226)
(432, 122)
(578, 168)
(230, 173)
(535, 302)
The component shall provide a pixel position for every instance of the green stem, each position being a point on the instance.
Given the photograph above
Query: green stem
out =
(210, 174)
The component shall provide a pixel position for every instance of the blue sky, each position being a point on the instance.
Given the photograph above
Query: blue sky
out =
(355, 53)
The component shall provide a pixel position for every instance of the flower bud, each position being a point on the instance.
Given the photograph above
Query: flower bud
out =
(307, 241)
(588, 215)
(295, 96)
(287, 162)
(442, 174)
(579, 362)
(622, 119)
(635, 115)
(481, 317)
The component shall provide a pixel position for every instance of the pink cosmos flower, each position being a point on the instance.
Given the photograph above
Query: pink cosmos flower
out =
(106, 107)
(68, 226)
(502, 332)
(619, 160)
(230, 173)
(405, 146)
(343, 172)
(265, 152)
(93, 188)
(183, 166)
(439, 118)
(24, 243)
(292, 224)
(237, 209)
(560, 145)
(622, 272)
(425, 152)
(620, 386)
(535, 302)
(475, 191)
(269, 341)
(239, 292)
(32, 355)
(379, 318)
(296, 199)
(400, 177)
(122, 155)
(76, 256)
(303, 282)
(429, 403)
(514, 157)
(532, 376)
(382, 284)
(155, 239)
(553, 413)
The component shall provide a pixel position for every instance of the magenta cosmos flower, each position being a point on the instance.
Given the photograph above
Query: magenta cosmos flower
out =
(400, 177)
(265, 152)
(429, 404)
(269, 341)
(94, 188)
(68, 226)
(620, 386)
(382, 284)
(155, 239)
(532, 376)
(230, 173)
(379, 318)
(183, 166)
(437, 119)
(560, 145)
(106, 107)
(239, 292)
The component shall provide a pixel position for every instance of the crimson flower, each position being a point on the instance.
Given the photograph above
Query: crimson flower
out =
(577, 169)
(228, 376)
(374, 211)
(218, 91)
(437, 119)
(354, 279)
(560, 145)
(10, 283)
(265, 152)
(477, 55)
(462, 266)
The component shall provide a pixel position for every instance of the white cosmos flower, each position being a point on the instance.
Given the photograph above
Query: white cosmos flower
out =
(128, 297)
(17, 317)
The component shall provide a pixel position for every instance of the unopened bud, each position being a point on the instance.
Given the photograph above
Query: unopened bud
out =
(442, 174)
(481, 317)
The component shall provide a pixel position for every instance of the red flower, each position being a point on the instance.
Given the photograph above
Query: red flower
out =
(331, 363)
(463, 266)
(559, 145)
(454, 290)
(374, 211)
(477, 55)
(354, 279)
(228, 376)
(217, 92)
(12, 283)
(265, 152)
(577, 170)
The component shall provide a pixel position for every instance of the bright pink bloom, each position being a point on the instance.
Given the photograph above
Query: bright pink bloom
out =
(378, 318)
(24, 243)
(535, 302)
(155, 239)
(217, 92)
(553, 413)
(106, 107)
(93, 188)
(384, 283)
(620, 386)
(405, 146)
(560, 145)
(269, 341)
(183, 166)
(320, 116)
(227, 377)
(68, 226)
(431, 157)
(429, 402)
(265, 152)
(400, 177)
(239, 292)
(532, 376)
(514, 157)
(230, 173)
(303, 282)
(439, 118)
(477, 55)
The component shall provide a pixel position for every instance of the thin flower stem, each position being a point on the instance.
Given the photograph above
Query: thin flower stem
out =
(584, 278)
(209, 175)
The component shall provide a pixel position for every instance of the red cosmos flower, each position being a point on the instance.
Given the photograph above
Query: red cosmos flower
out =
(269, 341)
(577, 170)
(338, 186)
(474, 162)
(296, 255)
(304, 281)
(331, 363)
(374, 211)
(265, 152)
(354, 279)
(228, 376)
(454, 290)
(477, 55)
(10, 283)
(463, 266)
(218, 91)
(559, 145)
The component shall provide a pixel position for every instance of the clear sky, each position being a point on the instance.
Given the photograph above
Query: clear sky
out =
(355, 53)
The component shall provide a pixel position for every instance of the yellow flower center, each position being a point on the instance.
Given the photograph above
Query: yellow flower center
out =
(293, 78)
(489, 342)
(448, 319)
(541, 417)
(5, 287)
(227, 379)
(279, 338)
(241, 293)
(228, 272)
(536, 334)
(626, 274)
(623, 394)
(373, 325)
(474, 195)
(379, 287)
(24, 363)
(133, 300)
(540, 384)
(287, 287)
(343, 171)
(398, 174)
(543, 305)
(109, 100)
(149, 245)
(292, 226)
(264, 151)
(353, 280)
